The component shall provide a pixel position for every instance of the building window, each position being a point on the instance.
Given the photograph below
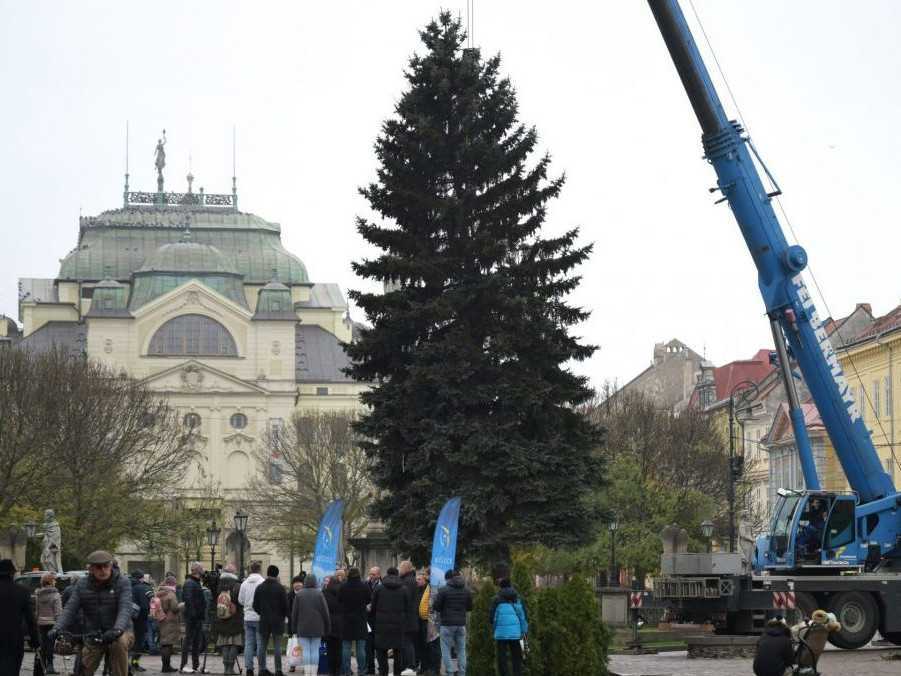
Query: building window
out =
(890, 468)
(888, 397)
(321, 391)
(193, 335)
(238, 421)
(875, 402)
(860, 395)
(191, 421)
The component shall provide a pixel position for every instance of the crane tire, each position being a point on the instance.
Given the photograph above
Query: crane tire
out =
(858, 614)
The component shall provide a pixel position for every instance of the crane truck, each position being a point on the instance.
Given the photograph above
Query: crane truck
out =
(835, 550)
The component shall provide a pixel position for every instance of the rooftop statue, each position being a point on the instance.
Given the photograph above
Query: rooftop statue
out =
(160, 160)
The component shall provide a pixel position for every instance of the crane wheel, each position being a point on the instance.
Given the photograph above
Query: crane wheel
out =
(859, 616)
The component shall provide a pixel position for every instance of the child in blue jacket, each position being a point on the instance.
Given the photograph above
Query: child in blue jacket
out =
(508, 617)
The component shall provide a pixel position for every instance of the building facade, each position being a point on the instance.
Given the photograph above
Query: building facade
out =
(670, 379)
(203, 303)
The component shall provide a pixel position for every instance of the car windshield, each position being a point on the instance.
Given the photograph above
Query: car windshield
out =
(784, 513)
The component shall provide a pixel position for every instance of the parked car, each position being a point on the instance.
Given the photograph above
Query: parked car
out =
(32, 579)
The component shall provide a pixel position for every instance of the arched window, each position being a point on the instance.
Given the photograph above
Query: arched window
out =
(193, 335)
(238, 421)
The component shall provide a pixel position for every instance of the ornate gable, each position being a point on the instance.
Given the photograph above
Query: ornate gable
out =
(193, 376)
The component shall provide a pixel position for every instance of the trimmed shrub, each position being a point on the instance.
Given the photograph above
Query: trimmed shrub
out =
(480, 649)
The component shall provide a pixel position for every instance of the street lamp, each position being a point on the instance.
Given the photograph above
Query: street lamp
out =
(212, 539)
(241, 527)
(707, 532)
(186, 541)
(734, 462)
(614, 578)
(13, 536)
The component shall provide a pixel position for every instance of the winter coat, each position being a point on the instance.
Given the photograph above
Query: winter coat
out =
(141, 593)
(170, 632)
(245, 596)
(270, 602)
(353, 598)
(334, 607)
(233, 625)
(195, 602)
(16, 611)
(508, 616)
(411, 621)
(102, 605)
(48, 604)
(372, 587)
(309, 614)
(774, 653)
(75, 627)
(391, 604)
(454, 600)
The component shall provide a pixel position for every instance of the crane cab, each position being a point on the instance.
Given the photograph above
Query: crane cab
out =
(810, 529)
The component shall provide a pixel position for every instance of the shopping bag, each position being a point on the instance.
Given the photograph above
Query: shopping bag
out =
(295, 652)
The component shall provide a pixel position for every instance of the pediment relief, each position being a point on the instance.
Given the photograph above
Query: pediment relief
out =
(197, 377)
(192, 296)
(239, 439)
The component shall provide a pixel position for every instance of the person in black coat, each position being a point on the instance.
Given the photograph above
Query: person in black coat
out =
(270, 602)
(141, 593)
(391, 603)
(411, 622)
(353, 597)
(16, 612)
(774, 650)
(193, 615)
(333, 638)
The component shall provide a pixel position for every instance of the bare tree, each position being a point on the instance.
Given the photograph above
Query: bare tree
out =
(301, 469)
(88, 442)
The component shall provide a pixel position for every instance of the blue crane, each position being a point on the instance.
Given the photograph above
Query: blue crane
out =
(812, 529)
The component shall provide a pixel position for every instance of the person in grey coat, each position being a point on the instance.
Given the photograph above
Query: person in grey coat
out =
(311, 621)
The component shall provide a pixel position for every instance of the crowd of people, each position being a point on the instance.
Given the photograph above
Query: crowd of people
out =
(107, 616)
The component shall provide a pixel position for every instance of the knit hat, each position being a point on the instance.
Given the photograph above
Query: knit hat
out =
(819, 617)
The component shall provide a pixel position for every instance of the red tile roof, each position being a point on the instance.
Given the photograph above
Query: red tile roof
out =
(884, 324)
(728, 376)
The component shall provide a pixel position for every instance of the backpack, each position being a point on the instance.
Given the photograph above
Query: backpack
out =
(156, 609)
(225, 607)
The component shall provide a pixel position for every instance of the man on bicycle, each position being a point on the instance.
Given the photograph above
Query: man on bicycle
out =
(103, 598)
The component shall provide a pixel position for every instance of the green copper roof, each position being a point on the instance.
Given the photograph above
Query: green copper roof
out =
(117, 243)
(110, 299)
(274, 302)
(149, 286)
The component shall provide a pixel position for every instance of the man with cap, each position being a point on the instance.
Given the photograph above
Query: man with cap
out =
(16, 612)
(104, 602)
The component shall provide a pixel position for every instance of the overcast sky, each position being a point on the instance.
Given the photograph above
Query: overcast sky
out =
(308, 84)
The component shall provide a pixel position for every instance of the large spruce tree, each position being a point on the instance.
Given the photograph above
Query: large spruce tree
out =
(468, 347)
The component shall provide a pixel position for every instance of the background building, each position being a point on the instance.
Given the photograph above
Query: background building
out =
(203, 303)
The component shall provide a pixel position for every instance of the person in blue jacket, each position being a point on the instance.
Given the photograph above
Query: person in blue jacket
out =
(508, 617)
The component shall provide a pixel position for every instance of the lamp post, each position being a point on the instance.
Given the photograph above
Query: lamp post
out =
(212, 539)
(707, 532)
(614, 578)
(241, 527)
(31, 528)
(734, 462)
(13, 532)
(186, 541)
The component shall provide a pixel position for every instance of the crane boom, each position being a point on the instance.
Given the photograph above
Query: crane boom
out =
(794, 319)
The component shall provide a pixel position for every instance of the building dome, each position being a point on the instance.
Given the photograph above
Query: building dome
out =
(176, 263)
(188, 256)
(274, 302)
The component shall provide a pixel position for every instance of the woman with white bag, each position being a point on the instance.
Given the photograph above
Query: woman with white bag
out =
(311, 621)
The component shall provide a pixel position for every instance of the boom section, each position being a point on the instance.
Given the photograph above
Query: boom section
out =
(779, 267)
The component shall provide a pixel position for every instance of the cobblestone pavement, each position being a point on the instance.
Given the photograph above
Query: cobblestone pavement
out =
(149, 662)
(833, 663)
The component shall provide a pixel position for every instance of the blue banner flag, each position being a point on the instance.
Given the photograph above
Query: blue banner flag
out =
(328, 540)
(444, 545)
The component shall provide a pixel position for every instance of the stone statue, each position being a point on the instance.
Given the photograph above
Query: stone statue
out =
(51, 556)
(160, 154)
